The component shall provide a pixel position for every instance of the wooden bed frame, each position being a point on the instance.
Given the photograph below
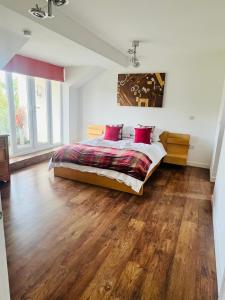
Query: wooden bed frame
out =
(95, 131)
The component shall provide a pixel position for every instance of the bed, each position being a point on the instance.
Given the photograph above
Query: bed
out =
(111, 178)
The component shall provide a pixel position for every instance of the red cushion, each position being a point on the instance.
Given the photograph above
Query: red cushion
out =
(112, 133)
(121, 129)
(151, 133)
(142, 135)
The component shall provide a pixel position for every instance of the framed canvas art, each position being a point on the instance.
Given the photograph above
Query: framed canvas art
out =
(145, 89)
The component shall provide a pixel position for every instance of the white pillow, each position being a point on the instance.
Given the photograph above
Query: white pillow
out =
(156, 134)
(128, 132)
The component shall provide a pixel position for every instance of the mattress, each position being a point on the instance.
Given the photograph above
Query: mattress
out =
(155, 152)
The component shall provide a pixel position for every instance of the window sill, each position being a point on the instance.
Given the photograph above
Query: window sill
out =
(30, 159)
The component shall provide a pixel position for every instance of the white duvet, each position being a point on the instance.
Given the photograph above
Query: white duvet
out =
(155, 152)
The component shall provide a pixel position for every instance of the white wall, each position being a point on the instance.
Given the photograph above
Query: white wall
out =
(218, 217)
(74, 114)
(71, 114)
(193, 88)
(222, 289)
(65, 112)
(218, 138)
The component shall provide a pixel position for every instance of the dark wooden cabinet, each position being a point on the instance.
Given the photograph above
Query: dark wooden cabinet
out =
(4, 158)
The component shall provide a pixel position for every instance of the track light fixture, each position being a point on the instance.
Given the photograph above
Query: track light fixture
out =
(133, 53)
(40, 13)
(60, 2)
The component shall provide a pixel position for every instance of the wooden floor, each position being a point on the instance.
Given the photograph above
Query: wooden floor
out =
(67, 240)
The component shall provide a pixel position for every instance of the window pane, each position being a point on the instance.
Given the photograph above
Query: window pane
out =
(56, 111)
(4, 109)
(21, 109)
(41, 110)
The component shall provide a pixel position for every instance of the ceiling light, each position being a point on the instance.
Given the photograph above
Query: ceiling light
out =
(60, 2)
(135, 62)
(133, 52)
(50, 14)
(42, 14)
(38, 12)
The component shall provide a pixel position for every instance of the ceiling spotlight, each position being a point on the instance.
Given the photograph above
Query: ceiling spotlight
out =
(41, 14)
(50, 14)
(135, 62)
(60, 2)
(133, 52)
(38, 12)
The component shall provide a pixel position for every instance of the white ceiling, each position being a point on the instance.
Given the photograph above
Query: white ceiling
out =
(162, 25)
(10, 44)
(47, 44)
(169, 24)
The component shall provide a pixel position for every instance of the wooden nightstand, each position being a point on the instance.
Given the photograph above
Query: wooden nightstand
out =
(177, 146)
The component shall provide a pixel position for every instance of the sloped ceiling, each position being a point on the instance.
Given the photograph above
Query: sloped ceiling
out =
(94, 35)
(80, 75)
(11, 43)
(170, 25)
(60, 39)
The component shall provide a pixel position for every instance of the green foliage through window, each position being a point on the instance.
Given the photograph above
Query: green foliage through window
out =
(4, 114)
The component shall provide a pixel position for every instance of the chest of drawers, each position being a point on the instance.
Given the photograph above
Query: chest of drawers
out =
(4, 158)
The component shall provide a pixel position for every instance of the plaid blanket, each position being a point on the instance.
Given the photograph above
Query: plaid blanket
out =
(129, 162)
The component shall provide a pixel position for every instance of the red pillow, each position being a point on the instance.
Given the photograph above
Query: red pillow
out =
(121, 129)
(151, 133)
(143, 135)
(112, 133)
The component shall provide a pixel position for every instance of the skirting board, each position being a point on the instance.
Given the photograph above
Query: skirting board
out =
(197, 164)
(212, 179)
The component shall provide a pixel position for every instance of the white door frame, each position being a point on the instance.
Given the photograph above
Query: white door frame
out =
(4, 280)
(218, 138)
(222, 291)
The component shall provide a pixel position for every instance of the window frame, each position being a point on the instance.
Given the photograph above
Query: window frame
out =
(37, 145)
(34, 146)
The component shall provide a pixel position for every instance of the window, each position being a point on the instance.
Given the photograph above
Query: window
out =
(56, 111)
(41, 110)
(4, 108)
(30, 112)
(20, 99)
